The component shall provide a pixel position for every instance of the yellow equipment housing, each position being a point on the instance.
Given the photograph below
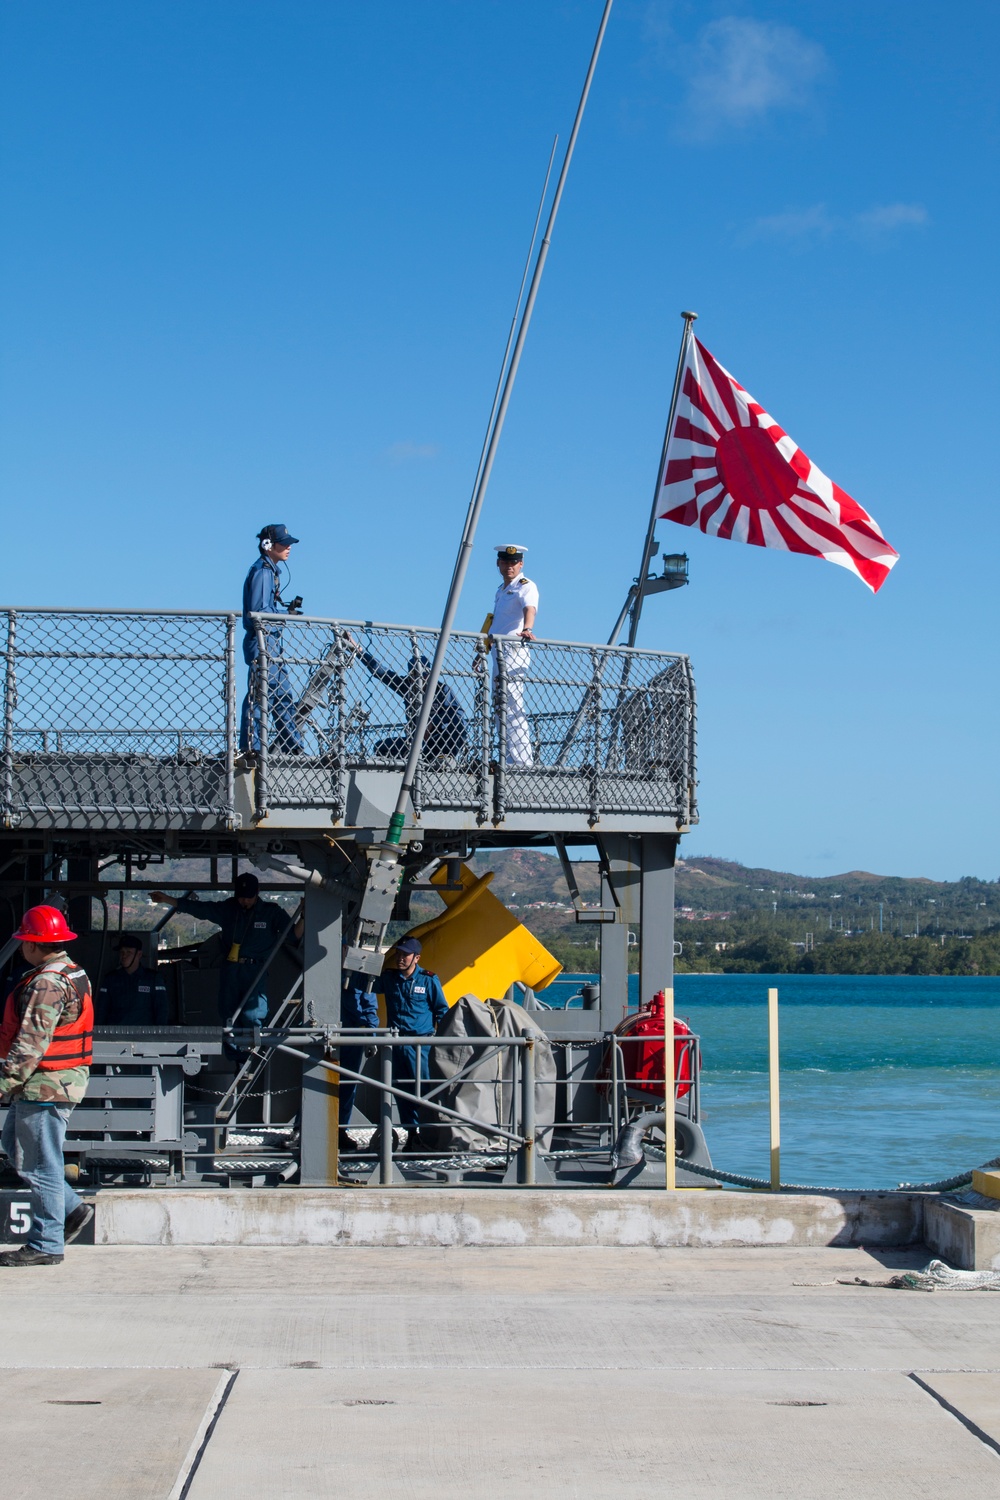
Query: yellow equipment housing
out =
(476, 946)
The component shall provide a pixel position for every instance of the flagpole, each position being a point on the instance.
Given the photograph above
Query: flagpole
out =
(633, 604)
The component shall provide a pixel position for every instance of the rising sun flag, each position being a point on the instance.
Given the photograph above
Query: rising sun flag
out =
(730, 470)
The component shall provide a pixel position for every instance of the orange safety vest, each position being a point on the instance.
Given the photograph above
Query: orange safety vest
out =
(71, 1043)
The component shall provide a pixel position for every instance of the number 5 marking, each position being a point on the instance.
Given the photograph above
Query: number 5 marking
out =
(20, 1218)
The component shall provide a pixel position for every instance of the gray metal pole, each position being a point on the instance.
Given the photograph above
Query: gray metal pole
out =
(385, 1118)
(647, 548)
(398, 819)
(621, 618)
(528, 1110)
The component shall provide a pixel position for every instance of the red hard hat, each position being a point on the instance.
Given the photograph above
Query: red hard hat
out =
(44, 924)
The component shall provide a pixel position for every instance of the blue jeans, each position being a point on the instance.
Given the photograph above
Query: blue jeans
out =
(33, 1136)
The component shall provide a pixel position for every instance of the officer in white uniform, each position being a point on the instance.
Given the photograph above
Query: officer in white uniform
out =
(514, 611)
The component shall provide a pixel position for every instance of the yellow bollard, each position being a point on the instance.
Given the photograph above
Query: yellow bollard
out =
(669, 1092)
(772, 1060)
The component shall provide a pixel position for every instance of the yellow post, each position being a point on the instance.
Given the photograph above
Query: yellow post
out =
(772, 1059)
(669, 1091)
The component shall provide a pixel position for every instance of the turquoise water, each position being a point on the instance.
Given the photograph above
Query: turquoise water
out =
(883, 1079)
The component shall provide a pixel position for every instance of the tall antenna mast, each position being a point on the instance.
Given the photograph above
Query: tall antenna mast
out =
(398, 820)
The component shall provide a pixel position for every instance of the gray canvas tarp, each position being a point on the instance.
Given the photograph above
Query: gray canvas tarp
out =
(487, 1091)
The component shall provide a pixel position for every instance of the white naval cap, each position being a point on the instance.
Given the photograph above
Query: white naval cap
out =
(509, 549)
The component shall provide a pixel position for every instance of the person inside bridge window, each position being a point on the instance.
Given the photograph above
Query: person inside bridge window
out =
(250, 929)
(132, 994)
(414, 1004)
(262, 595)
(512, 622)
(446, 736)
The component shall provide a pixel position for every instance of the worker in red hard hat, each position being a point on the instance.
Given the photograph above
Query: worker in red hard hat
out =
(45, 1050)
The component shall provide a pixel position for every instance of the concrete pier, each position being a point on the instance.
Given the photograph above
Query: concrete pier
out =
(240, 1373)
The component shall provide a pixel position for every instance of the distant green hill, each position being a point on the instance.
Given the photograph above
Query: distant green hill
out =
(744, 919)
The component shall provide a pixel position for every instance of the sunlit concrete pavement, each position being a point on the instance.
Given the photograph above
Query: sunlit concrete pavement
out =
(466, 1373)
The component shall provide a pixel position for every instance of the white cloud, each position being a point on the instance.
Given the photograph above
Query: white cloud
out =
(889, 216)
(807, 226)
(740, 69)
(405, 453)
(795, 224)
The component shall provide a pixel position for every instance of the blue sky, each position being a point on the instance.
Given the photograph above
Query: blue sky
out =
(258, 262)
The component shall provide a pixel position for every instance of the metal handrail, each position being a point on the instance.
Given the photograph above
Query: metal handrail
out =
(151, 698)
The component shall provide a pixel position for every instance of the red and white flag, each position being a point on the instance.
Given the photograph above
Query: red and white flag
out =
(730, 470)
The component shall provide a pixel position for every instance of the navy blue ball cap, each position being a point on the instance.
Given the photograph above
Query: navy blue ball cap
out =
(247, 884)
(278, 536)
(408, 945)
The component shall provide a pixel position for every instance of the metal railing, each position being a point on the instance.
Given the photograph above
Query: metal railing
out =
(118, 715)
(125, 715)
(522, 1115)
(550, 727)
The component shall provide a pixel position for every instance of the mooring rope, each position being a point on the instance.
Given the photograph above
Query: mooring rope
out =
(944, 1185)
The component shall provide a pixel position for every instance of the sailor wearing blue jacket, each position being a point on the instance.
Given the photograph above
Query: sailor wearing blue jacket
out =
(262, 595)
(358, 1007)
(414, 1003)
(131, 995)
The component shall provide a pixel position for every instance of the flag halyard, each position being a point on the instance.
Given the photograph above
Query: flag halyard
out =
(730, 470)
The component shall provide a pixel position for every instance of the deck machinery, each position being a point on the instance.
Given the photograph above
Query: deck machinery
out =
(121, 752)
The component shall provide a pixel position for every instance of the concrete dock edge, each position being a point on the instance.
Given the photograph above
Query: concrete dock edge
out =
(430, 1217)
(963, 1236)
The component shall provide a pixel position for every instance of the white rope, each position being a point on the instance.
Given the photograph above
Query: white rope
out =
(935, 1277)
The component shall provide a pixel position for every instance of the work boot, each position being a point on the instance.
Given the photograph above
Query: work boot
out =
(77, 1221)
(26, 1256)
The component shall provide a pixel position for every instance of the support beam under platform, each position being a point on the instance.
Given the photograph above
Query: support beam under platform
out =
(656, 934)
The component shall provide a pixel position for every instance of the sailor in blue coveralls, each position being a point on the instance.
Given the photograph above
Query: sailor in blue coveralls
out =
(446, 733)
(414, 1003)
(131, 995)
(262, 595)
(358, 1007)
(250, 928)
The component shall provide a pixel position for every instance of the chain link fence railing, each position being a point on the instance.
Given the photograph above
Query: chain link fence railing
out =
(127, 718)
(549, 727)
(118, 718)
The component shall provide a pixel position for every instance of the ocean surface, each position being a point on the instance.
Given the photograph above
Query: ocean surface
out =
(883, 1079)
